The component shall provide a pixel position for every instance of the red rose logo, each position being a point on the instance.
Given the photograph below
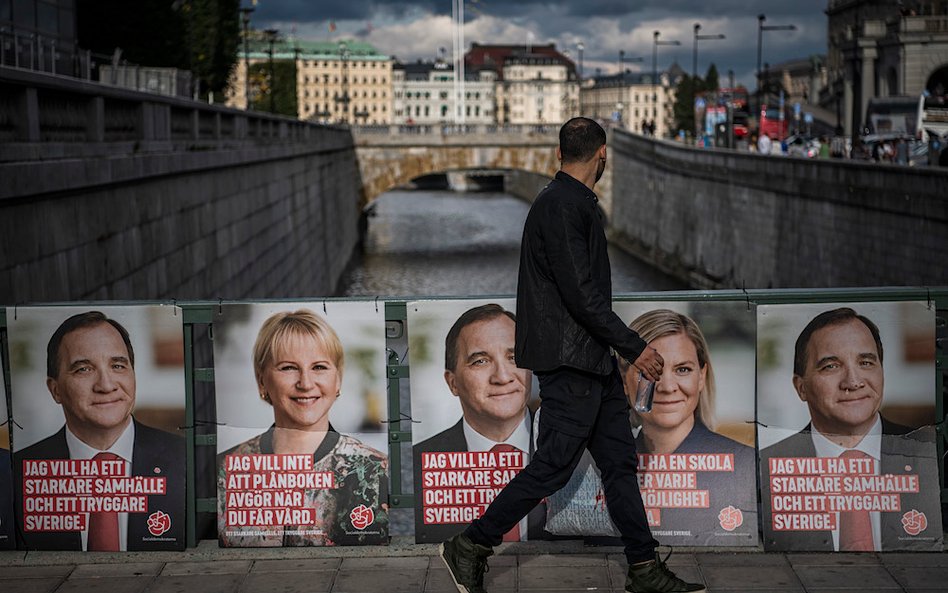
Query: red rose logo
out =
(730, 518)
(914, 522)
(158, 523)
(361, 516)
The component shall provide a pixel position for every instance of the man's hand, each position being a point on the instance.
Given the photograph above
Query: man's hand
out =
(651, 363)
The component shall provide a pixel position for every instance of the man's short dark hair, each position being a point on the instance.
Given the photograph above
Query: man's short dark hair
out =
(76, 322)
(580, 138)
(471, 316)
(825, 319)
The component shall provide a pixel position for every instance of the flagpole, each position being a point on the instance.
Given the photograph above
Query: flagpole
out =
(461, 58)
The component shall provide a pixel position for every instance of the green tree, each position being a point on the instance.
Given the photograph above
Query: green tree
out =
(711, 80)
(196, 35)
(684, 108)
(283, 87)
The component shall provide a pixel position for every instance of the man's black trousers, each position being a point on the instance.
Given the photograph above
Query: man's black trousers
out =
(578, 410)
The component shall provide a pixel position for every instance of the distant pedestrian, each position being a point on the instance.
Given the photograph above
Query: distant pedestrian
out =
(566, 330)
(901, 152)
(764, 144)
(824, 147)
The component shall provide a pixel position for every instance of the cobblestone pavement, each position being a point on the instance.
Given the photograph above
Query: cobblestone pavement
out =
(403, 567)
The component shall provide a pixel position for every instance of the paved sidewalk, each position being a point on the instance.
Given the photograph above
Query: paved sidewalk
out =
(404, 567)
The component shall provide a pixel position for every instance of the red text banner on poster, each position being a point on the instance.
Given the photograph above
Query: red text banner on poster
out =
(266, 490)
(670, 481)
(806, 493)
(458, 486)
(59, 494)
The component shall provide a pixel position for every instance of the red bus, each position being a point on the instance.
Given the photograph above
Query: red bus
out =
(773, 122)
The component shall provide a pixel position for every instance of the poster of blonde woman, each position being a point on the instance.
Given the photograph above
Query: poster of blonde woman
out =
(300, 390)
(695, 444)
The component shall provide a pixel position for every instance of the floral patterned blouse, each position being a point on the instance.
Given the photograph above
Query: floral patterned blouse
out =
(354, 512)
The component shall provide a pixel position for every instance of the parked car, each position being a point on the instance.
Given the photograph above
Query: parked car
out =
(799, 145)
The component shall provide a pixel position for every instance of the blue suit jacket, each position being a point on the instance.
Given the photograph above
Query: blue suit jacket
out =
(156, 453)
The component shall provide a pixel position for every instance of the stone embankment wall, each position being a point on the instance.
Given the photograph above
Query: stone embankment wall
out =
(722, 219)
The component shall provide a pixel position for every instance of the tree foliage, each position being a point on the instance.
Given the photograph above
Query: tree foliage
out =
(688, 89)
(282, 87)
(196, 35)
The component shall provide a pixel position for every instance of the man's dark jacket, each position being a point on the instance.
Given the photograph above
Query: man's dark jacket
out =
(564, 293)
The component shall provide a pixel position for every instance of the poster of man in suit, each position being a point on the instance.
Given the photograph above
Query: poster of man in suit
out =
(98, 398)
(846, 400)
(470, 403)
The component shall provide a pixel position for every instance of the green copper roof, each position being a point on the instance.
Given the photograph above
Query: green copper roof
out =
(308, 50)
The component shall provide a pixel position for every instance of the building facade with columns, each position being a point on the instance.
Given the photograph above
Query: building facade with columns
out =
(336, 82)
(424, 93)
(883, 48)
(631, 100)
(535, 84)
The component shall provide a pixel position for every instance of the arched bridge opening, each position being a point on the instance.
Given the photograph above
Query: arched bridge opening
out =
(389, 158)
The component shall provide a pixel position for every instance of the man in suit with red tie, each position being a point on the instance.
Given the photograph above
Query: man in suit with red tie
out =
(837, 372)
(91, 374)
(480, 371)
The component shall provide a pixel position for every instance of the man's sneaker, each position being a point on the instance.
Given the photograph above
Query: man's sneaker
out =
(467, 562)
(654, 577)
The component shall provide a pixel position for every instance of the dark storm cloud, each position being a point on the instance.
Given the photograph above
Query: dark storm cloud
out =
(605, 26)
(308, 10)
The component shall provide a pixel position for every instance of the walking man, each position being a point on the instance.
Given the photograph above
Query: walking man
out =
(565, 328)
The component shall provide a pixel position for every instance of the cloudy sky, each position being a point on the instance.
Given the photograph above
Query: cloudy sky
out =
(416, 29)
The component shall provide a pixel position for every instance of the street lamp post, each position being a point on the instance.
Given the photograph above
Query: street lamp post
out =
(245, 18)
(694, 63)
(271, 39)
(761, 27)
(655, 44)
(343, 56)
(580, 47)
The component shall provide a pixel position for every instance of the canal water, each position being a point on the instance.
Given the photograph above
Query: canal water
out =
(429, 243)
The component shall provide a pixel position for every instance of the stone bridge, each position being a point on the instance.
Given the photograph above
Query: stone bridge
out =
(390, 156)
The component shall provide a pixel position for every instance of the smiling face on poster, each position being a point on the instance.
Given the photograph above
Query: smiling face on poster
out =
(98, 394)
(470, 402)
(847, 447)
(300, 396)
(697, 471)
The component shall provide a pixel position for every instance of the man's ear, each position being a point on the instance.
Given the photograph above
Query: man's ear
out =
(559, 154)
(602, 152)
(800, 385)
(53, 387)
(449, 379)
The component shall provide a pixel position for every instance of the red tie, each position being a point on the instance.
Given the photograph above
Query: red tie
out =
(514, 534)
(103, 527)
(855, 528)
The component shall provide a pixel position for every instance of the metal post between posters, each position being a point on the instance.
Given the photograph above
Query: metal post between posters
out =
(395, 371)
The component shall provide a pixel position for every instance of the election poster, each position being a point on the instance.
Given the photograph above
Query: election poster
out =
(7, 527)
(697, 462)
(470, 407)
(846, 408)
(98, 402)
(301, 399)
